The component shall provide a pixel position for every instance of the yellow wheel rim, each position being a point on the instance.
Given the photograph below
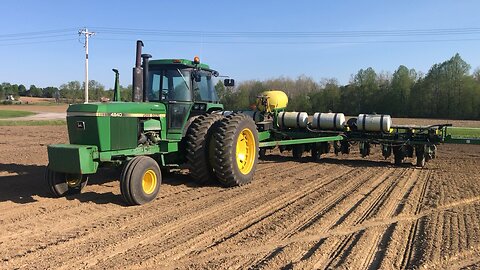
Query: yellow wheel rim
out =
(149, 181)
(245, 151)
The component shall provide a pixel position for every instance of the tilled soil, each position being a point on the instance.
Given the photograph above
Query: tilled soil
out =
(340, 212)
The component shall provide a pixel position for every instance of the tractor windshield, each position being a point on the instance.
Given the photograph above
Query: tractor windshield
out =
(170, 84)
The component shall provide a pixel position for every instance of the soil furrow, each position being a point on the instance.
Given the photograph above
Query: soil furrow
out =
(409, 255)
(232, 227)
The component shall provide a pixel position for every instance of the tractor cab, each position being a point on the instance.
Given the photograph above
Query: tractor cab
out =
(186, 88)
(181, 80)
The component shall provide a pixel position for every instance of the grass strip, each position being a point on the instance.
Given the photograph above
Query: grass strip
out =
(33, 123)
(464, 132)
(4, 114)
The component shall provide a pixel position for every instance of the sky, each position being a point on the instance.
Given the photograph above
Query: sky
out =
(39, 42)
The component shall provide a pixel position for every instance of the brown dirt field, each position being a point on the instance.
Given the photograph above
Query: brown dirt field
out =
(341, 212)
(426, 122)
(33, 100)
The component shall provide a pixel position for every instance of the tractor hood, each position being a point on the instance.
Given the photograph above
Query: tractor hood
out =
(118, 109)
(111, 126)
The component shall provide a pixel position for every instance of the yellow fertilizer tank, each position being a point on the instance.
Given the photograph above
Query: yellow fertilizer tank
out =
(272, 100)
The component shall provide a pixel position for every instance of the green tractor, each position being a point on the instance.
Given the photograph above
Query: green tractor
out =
(172, 120)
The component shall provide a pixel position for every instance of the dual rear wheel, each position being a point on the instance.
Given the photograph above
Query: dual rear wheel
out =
(223, 149)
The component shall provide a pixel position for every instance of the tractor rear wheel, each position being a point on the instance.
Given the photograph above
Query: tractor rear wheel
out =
(61, 184)
(140, 180)
(236, 150)
(199, 149)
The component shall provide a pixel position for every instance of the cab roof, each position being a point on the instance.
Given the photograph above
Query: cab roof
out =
(185, 62)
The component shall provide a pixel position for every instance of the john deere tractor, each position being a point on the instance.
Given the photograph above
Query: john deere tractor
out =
(172, 120)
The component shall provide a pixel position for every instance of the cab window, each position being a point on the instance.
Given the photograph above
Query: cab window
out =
(170, 84)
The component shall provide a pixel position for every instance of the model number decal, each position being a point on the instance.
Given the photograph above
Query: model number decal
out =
(116, 114)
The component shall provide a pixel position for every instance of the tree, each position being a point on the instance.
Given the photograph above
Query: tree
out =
(476, 74)
(221, 90)
(22, 90)
(33, 91)
(71, 91)
(95, 90)
(49, 92)
(444, 84)
(366, 90)
(402, 82)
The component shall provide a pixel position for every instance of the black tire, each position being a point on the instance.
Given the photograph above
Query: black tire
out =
(198, 148)
(345, 147)
(297, 151)
(262, 153)
(398, 155)
(62, 184)
(316, 153)
(326, 147)
(140, 180)
(386, 151)
(421, 161)
(420, 153)
(227, 135)
(365, 150)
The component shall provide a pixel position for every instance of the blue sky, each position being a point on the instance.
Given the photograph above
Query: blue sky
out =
(245, 54)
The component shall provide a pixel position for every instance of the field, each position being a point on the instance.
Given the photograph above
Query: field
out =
(341, 212)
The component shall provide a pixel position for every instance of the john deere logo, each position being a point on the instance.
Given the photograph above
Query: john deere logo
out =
(80, 125)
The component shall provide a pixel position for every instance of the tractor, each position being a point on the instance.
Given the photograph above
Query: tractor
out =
(169, 122)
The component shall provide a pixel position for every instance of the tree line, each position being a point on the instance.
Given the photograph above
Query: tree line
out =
(70, 92)
(447, 90)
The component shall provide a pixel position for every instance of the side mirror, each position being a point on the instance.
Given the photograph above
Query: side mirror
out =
(229, 82)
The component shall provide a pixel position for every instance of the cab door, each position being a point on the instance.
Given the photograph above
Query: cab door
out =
(177, 95)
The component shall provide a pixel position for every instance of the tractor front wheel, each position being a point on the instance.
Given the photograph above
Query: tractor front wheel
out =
(61, 184)
(236, 150)
(140, 180)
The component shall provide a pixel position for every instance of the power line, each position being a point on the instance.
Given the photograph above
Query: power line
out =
(339, 42)
(292, 34)
(40, 33)
(35, 37)
(37, 42)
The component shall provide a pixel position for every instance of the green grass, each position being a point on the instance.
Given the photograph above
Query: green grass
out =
(33, 123)
(12, 114)
(464, 132)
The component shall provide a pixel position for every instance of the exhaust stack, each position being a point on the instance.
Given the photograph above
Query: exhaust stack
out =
(145, 58)
(137, 81)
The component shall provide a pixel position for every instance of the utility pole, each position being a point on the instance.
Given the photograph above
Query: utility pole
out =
(87, 35)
